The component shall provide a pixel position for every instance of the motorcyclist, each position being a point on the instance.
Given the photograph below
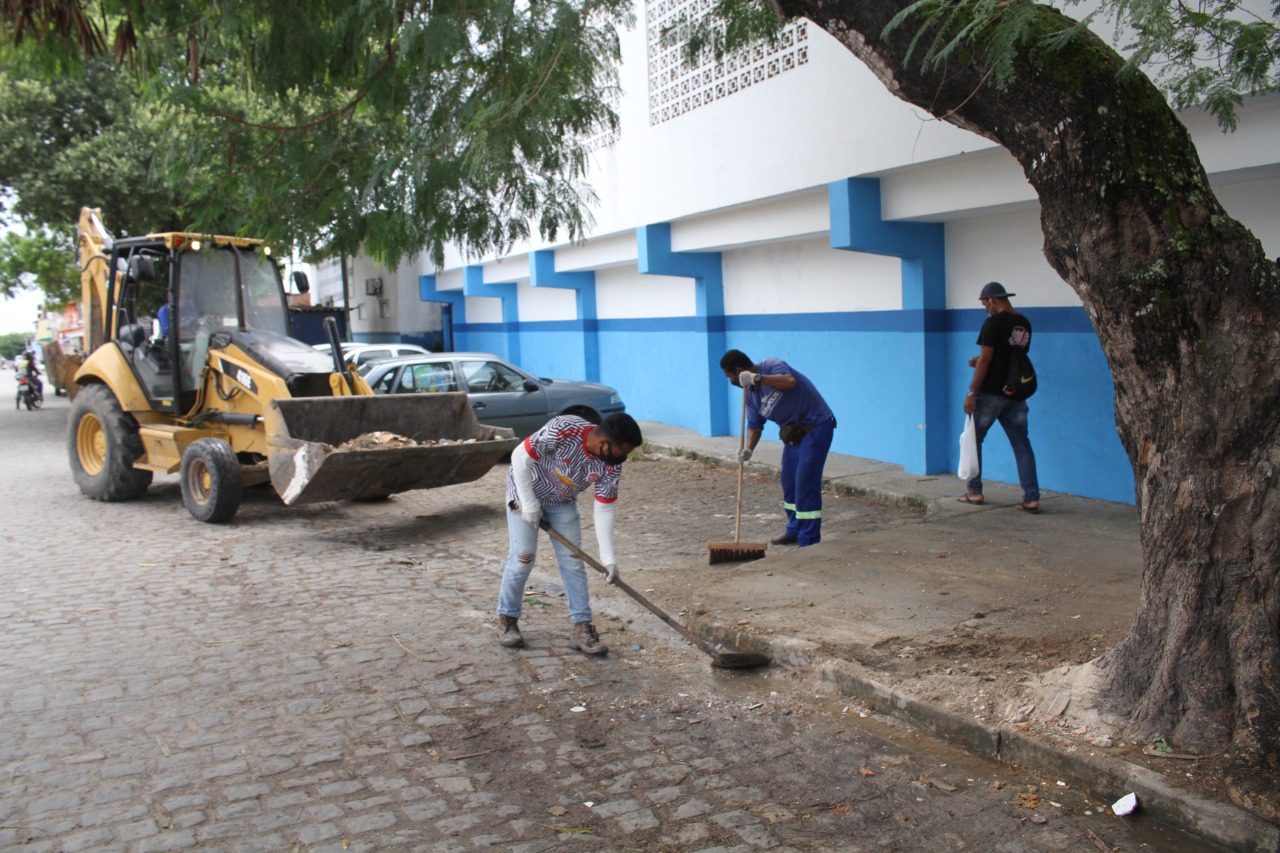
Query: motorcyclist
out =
(25, 365)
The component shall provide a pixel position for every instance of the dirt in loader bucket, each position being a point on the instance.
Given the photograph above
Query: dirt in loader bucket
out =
(336, 448)
(389, 441)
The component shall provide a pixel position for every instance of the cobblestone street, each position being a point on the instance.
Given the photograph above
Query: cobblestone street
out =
(327, 679)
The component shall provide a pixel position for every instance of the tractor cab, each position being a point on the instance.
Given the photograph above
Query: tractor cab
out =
(179, 296)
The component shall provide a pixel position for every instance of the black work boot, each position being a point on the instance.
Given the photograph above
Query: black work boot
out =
(784, 539)
(509, 632)
(586, 640)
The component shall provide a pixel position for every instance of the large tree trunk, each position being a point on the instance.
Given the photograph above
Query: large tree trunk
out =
(1187, 308)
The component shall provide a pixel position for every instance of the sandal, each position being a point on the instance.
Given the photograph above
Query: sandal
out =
(1028, 508)
(966, 499)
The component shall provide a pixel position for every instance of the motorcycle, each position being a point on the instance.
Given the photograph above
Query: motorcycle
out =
(29, 394)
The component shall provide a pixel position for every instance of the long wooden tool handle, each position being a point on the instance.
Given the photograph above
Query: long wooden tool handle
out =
(622, 585)
(742, 443)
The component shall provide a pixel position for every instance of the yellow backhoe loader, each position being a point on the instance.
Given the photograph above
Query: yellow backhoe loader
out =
(211, 386)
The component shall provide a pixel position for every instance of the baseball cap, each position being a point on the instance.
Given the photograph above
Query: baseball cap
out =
(994, 290)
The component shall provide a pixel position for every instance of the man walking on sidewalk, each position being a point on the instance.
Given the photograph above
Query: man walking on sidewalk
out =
(549, 469)
(987, 401)
(779, 393)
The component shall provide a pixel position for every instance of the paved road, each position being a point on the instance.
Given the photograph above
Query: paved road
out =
(327, 679)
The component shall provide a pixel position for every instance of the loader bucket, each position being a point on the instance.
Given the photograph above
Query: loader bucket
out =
(336, 448)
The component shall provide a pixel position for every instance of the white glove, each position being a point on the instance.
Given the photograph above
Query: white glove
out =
(531, 515)
(744, 454)
(611, 573)
(746, 379)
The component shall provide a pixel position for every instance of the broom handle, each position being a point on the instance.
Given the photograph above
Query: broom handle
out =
(742, 442)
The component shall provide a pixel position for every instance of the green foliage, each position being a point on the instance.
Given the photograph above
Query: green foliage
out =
(83, 139)
(396, 127)
(68, 141)
(992, 32)
(730, 26)
(388, 125)
(44, 260)
(13, 343)
(1209, 54)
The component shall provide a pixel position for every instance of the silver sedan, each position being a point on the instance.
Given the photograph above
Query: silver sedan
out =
(501, 393)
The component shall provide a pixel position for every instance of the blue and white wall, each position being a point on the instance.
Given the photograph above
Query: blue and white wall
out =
(789, 206)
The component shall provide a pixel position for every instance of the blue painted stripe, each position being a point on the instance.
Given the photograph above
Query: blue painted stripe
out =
(845, 321)
(535, 326)
(1073, 321)
(488, 327)
(641, 324)
(1056, 320)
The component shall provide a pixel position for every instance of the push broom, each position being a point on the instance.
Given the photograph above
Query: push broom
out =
(737, 550)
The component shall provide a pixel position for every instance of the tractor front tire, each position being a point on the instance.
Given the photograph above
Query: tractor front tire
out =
(103, 443)
(211, 487)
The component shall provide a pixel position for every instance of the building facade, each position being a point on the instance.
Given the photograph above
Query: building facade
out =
(782, 202)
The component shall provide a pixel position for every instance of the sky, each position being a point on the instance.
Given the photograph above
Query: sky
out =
(19, 314)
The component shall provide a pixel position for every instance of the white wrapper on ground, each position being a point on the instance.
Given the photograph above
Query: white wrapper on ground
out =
(1125, 805)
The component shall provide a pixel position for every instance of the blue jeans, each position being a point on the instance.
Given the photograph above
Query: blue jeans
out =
(801, 480)
(522, 540)
(1012, 415)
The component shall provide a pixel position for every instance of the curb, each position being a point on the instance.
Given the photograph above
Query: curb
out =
(1102, 777)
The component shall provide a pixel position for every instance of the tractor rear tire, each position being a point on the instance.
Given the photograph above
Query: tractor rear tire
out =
(211, 487)
(103, 443)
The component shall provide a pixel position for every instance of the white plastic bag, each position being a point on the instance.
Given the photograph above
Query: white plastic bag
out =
(969, 467)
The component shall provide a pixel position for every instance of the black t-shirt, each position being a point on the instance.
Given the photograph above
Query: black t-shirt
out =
(1001, 332)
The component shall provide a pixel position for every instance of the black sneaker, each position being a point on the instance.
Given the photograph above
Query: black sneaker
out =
(509, 632)
(784, 539)
(586, 640)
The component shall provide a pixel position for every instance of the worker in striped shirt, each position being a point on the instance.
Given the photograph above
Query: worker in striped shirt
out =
(549, 469)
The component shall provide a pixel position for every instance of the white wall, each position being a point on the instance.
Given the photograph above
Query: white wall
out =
(797, 216)
(1256, 204)
(365, 311)
(1006, 248)
(752, 169)
(484, 309)
(824, 120)
(412, 314)
(623, 294)
(547, 303)
(809, 277)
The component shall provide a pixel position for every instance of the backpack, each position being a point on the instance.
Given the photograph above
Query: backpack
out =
(1020, 383)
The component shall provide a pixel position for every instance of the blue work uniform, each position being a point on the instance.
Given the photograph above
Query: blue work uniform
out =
(802, 463)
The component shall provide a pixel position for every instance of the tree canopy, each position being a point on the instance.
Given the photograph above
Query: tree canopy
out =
(13, 343)
(396, 127)
(390, 127)
(67, 141)
(44, 260)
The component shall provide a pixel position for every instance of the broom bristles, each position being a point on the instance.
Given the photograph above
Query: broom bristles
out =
(732, 552)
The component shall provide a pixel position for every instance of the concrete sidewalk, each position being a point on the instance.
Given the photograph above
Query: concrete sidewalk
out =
(879, 481)
(957, 578)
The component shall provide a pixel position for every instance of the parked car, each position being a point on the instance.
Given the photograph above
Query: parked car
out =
(501, 393)
(363, 354)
